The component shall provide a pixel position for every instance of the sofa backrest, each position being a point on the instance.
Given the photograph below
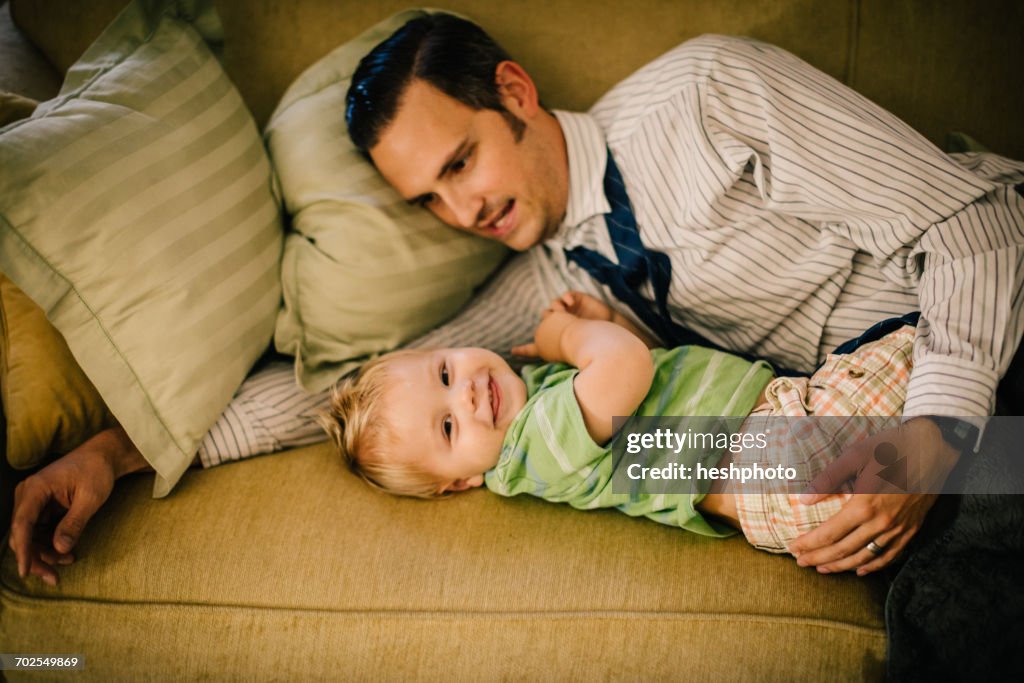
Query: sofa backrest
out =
(941, 66)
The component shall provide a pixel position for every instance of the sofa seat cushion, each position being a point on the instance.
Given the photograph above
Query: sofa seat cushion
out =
(292, 549)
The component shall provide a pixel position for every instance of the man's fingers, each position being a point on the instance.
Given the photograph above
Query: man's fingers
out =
(893, 547)
(853, 552)
(73, 524)
(831, 531)
(821, 486)
(29, 501)
(44, 571)
(841, 543)
(51, 557)
(870, 483)
(830, 479)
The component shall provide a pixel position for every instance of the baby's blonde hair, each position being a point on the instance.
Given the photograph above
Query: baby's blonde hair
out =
(363, 436)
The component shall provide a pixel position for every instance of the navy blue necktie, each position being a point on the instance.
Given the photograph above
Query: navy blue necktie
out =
(636, 265)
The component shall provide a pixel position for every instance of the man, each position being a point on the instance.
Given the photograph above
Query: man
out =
(794, 215)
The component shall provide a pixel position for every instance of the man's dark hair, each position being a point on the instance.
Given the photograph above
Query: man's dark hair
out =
(454, 55)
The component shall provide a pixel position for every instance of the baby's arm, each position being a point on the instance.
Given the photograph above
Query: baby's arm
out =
(616, 370)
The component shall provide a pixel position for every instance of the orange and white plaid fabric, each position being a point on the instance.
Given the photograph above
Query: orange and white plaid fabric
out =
(871, 381)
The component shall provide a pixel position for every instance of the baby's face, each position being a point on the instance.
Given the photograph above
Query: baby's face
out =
(449, 410)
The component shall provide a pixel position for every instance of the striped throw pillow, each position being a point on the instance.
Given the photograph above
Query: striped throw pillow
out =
(136, 210)
(363, 271)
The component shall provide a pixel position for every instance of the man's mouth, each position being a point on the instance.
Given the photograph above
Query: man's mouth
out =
(494, 393)
(503, 222)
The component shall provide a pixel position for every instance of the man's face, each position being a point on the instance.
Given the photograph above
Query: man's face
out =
(468, 168)
(449, 410)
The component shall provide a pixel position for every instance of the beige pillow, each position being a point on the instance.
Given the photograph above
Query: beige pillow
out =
(50, 406)
(363, 271)
(136, 210)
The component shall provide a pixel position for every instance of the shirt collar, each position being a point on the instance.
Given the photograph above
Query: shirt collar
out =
(588, 154)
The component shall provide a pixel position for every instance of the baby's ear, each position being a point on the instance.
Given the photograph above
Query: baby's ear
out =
(465, 484)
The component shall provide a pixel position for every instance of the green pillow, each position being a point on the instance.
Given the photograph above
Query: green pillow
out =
(136, 210)
(363, 271)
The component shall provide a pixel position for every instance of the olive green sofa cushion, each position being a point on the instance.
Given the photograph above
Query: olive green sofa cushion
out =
(290, 568)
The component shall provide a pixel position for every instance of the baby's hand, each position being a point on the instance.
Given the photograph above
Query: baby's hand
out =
(576, 304)
(580, 305)
(547, 337)
(527, 350)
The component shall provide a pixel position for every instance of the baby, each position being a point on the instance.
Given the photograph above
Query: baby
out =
(426, 423)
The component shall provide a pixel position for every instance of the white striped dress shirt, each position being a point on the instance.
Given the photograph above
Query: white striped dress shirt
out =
(796, 214)
(268, 413)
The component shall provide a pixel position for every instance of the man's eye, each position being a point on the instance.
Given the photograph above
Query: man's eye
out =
(447, 427)
(424, 200)
(444, 375)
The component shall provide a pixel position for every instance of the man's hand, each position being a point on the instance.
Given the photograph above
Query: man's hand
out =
(878, 512)
(70, 489)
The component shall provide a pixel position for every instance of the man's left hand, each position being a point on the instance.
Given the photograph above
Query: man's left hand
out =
(878, 513)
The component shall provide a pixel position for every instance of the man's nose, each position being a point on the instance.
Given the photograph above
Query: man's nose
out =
(463, 208)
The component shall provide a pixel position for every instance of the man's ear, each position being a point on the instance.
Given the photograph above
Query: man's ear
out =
(465, 484)
(518, 93)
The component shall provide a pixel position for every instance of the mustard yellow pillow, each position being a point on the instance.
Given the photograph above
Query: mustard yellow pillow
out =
(14, 107)
(50, 405)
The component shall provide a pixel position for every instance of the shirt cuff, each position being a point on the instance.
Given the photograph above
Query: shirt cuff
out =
(236, 435)
(943, 385)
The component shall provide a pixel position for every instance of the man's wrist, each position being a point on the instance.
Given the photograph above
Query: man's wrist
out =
(962, 435)
(121, 453)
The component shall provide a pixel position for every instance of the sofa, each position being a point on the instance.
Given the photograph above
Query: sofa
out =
(287, 567)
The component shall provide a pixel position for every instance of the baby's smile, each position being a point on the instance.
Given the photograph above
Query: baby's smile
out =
(494, 395)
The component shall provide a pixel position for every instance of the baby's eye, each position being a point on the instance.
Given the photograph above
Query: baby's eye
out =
(447, 427)
(444, 375)
(426, 200)
(459, 165)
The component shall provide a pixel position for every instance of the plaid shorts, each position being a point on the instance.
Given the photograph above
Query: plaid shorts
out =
(871, 381)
